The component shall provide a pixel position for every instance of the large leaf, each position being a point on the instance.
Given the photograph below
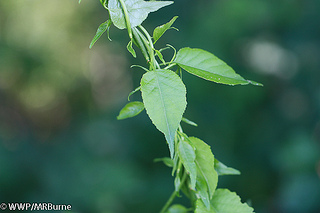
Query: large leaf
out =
(206, 65)
(138, 11)
(164, 97)
(130, 110)
(159, 31)
(188, 156)
(224, 201)
(205, 169)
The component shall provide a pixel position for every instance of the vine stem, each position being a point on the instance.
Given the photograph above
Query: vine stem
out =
(174, 194)
(151, 48)
(126, 15)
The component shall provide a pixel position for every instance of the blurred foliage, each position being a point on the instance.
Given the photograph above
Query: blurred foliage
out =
(59, 138)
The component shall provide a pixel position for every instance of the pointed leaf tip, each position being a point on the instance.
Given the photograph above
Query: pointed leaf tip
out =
(159, 31)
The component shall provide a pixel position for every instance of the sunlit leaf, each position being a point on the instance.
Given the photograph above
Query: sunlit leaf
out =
(164, 97)
(138, 11)
(223, 169)
(102, 28)
(207, 66)
(188, 156)
(224, 201)
(159, 31)
(130, 110)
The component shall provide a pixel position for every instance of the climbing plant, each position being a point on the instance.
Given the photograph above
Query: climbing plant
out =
(194, 167)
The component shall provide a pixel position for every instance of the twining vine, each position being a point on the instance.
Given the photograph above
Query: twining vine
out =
(163, 92)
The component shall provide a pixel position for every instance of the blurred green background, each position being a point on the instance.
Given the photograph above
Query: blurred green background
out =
(60, 141)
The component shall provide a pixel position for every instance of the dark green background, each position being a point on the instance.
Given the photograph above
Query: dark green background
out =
(60, 141)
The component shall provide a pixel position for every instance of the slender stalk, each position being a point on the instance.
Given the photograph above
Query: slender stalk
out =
(126, 15)
(151, 52)
(140, 44)
(173, 195)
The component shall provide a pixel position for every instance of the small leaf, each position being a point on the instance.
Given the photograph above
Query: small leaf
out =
(164, 97)
(205, 165)
(207, 66)
(130, 49)
(102, 28)
(159, 31)
(223, 169)
(224, 201)
(130, 110)
(79, 1)
(167, 161)
(189, 122)
(177, 209)
(138, 11)
(188, 156)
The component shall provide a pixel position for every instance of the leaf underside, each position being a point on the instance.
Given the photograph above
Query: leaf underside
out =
(164, 97)
(138, 11)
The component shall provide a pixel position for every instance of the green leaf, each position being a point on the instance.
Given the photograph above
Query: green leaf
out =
(79, 1)
(224, 201)
(130, 49)
(202, 191)
(207, 66)
(102, 28)
(188, 156)
(167, 161)
(138, 11)
(159, 31)
(189, 122)
(205, 167)
(177, 209)
(223, 169)
(164, 97)
(130, 110)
